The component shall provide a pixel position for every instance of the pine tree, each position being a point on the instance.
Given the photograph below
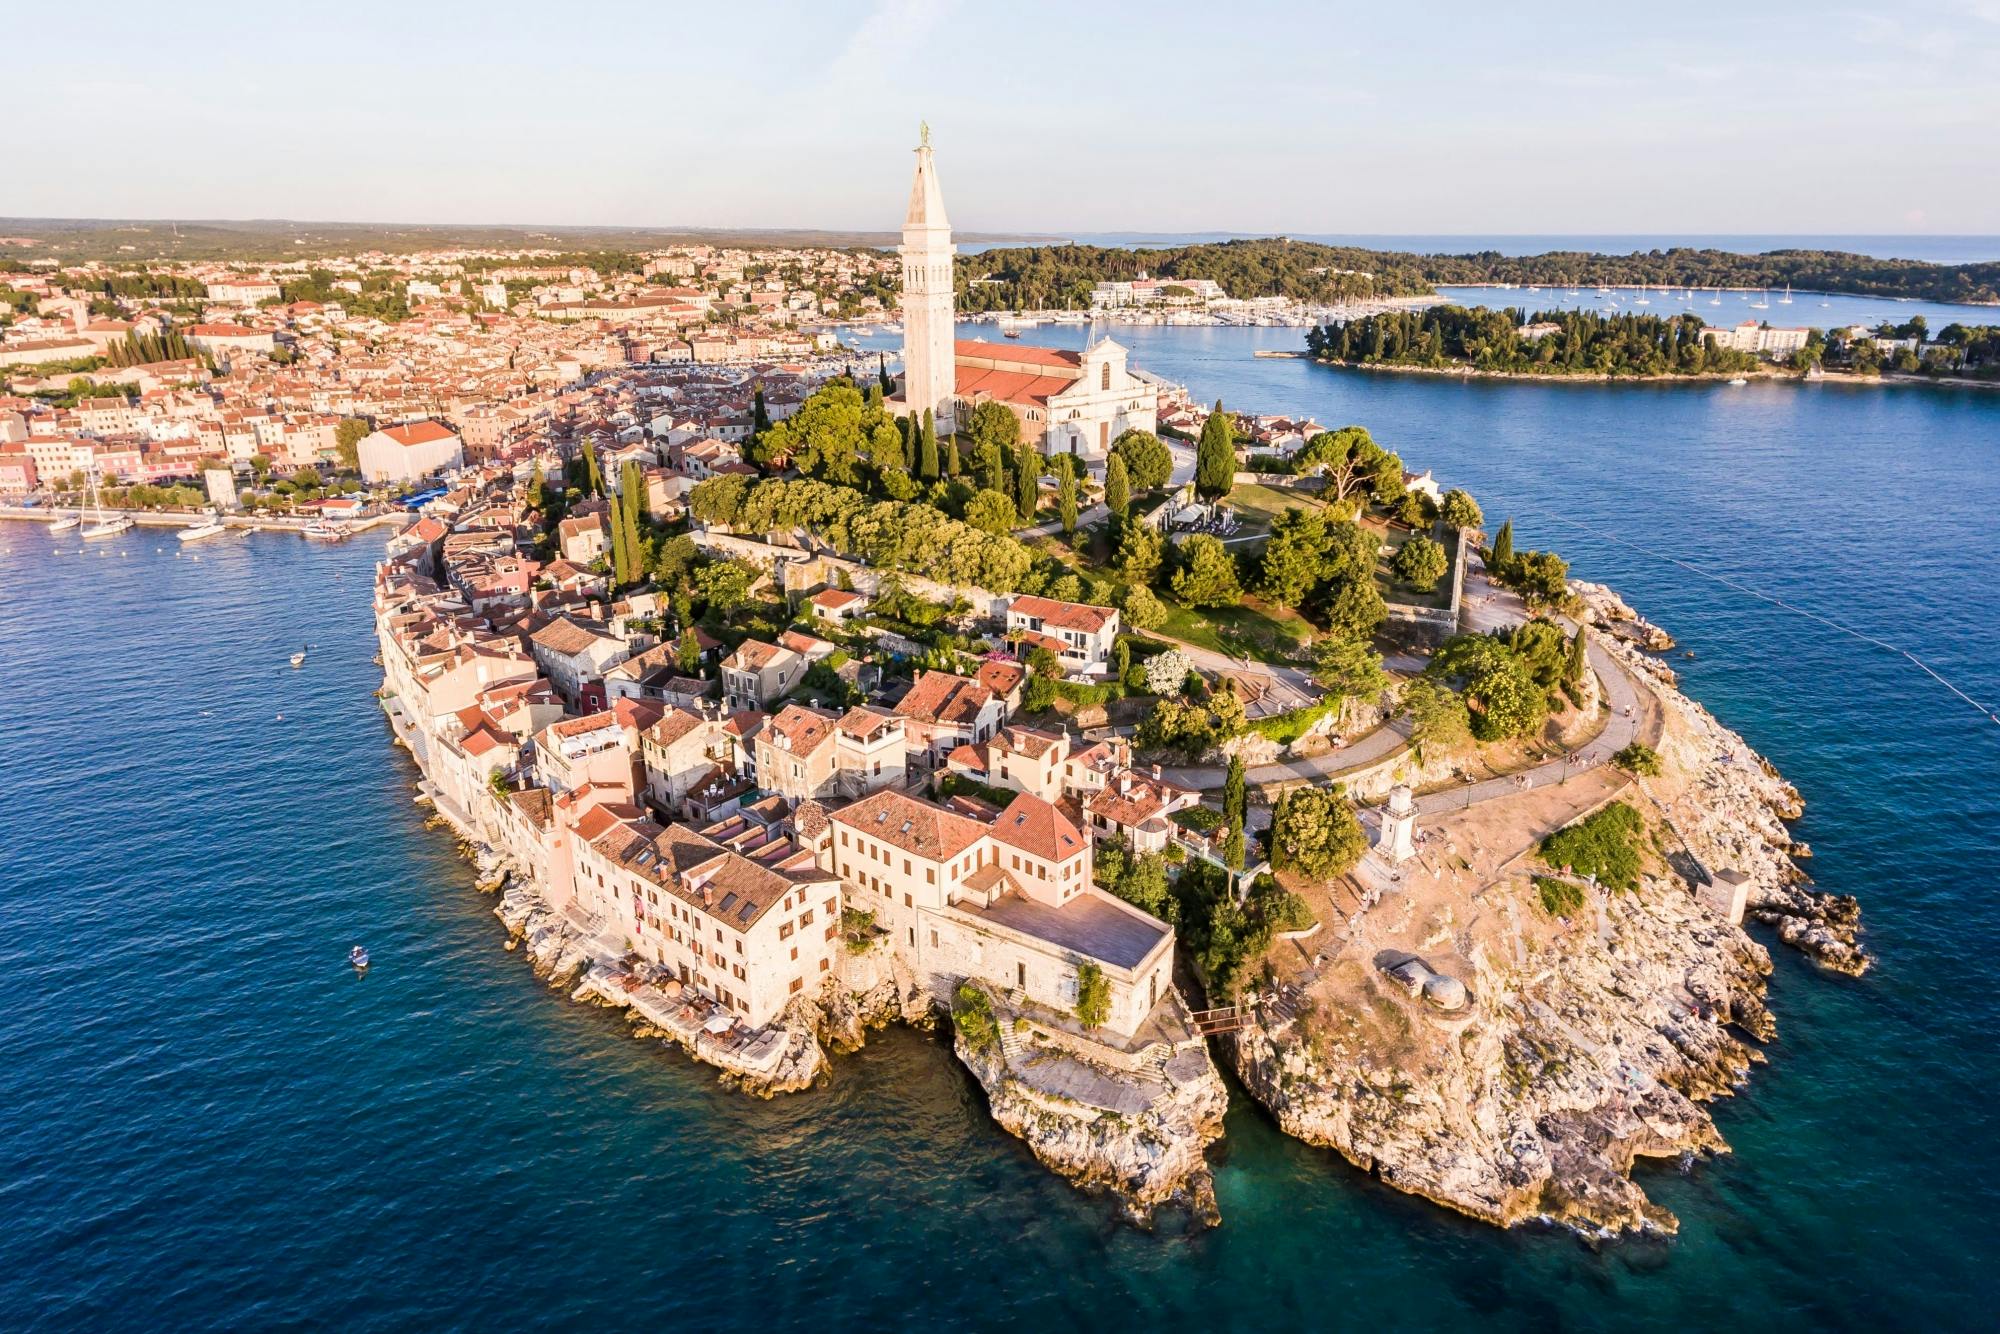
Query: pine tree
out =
(1503, 549)
(1117, 491)
(1027, 483)
(927, 450)
(1215, 456)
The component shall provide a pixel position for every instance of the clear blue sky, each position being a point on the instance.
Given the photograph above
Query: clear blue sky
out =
(1246, 116)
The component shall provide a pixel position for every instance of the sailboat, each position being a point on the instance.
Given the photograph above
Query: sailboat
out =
(64, 522)
(1716, 300)
(1764, 304)
(1786, 299)
(100, 526)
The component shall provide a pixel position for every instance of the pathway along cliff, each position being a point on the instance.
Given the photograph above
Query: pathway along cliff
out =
(1593, 1024)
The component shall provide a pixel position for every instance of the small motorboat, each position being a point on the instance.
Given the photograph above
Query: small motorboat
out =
(359, 958)
(1738, 382)
(299, 658)
(210, 526)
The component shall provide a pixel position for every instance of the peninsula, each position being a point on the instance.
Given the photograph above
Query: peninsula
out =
(966, 697)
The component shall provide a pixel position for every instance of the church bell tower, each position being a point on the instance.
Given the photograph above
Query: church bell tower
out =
(929, 364)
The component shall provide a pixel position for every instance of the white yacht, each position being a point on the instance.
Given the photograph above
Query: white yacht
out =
(100, 525)
(210, 526)
(65, 522)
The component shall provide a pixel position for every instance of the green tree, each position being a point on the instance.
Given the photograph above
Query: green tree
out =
(1315, 831)
(1117, 491)
(1140, 550)
(1143, 611)
(1579, 659)
(1420, 563)
(1351, 608)
(990, 511)
(1207, 576)
(927, 449)
(1093, 995)
(347, 438)
(1235, 792)
(1460, 510)
(592, 476)
(1027, 482)
(1215, 455)
(616, 523)
(991, 423)
(1347, 668)
(1607, 845)
(760, 416)
(1437, 713)
(1501, 693)
(1503, 550)
(724, 585)
(1066, 501)
(687, 653)
(1294, 557)
(1148, 462)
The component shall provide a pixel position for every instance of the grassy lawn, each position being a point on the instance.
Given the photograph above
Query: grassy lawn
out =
(1250, 629)
(1257, 504)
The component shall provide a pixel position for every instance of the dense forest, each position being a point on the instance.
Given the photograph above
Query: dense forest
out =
(1060, 277)
(1807, 270)
(1584, 343)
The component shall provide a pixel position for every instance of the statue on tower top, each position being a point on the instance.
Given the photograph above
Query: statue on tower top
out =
(923, 134)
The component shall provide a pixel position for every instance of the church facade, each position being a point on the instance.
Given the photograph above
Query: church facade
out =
(1067, 402)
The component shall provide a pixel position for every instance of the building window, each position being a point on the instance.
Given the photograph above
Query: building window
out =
(1104, 376)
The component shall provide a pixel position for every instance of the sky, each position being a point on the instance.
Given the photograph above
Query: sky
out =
(1469, 119)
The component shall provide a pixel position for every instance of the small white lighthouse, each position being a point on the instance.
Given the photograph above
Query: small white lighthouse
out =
(1395, 839)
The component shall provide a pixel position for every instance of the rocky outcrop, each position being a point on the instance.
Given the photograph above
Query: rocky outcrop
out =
(1594, 1050)
(1613, 615)
(1728, 806)
(1147, 1150)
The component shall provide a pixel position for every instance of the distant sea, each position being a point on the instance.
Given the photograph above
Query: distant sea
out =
(1930, 249)
(211, 1122)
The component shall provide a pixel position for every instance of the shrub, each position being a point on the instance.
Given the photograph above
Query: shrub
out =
(1605, 846)
(972, 1016)
(1093, 995)
(1638, 758)
(1560, 898)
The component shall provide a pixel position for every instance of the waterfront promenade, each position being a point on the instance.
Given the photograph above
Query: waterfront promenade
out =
(249, 523)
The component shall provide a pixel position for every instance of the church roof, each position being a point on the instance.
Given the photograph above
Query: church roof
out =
(1015, 356)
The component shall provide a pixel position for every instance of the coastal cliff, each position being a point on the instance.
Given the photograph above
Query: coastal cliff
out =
(1595, 1023)
(1139, 1136)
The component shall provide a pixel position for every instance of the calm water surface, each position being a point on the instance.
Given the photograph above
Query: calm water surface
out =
(210, 1121)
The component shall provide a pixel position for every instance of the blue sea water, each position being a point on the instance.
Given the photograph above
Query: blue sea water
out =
(210, 1121)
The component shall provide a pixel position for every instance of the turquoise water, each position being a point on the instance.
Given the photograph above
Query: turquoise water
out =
(210, 1121)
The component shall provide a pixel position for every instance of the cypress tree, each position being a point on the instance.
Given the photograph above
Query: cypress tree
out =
(1117, 491)
(617, 543)
(927, 451)
(1234, 793)
(882, 375)
(1578, 659)
(1215, 456)
(590, 473)
(1027, 483)
(1503, 549)
(1066, 501)
(760, 416)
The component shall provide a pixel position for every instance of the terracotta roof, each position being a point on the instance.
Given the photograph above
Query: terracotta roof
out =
(917, 827)
(419, 433)
(803, 729)
(1037, 827)
(1026, 355)
(1063, 615)
(941, 697)
(676, 724)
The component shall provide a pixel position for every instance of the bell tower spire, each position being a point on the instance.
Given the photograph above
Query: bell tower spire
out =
(929, 364)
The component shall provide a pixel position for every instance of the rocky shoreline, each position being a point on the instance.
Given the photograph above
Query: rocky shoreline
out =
(1589, 1044)
(1149, 1151)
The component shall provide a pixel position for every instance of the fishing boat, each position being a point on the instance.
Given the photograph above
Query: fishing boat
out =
(1011, 333)
(210, 526)
(324, 532)
(359, 958)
